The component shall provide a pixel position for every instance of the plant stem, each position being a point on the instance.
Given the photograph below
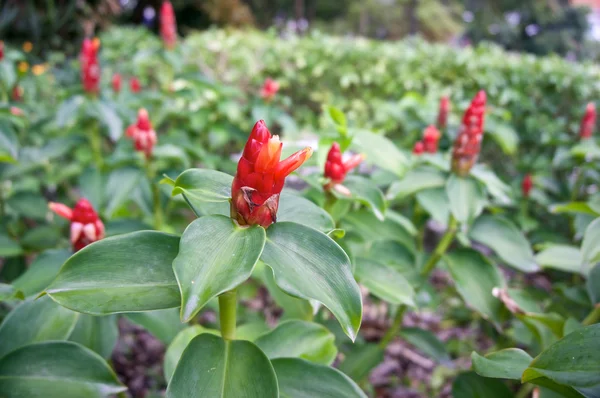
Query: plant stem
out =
(441, 248)
(395, 328)
(96, 144)
(577, 185)
(593, 317)
(156, 205)
(227, 314)
(525, 390)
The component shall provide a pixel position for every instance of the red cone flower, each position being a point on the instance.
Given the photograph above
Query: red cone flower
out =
(527, 184)
(90, 68)
(260, 177)
(17, 93)
(431, 137)
(442, 120)
(269, 89)
(588, 122)
(336, 168)
(419, 148)
(468, 142)
(135, 85)
(168, 25)
(142, 134)
(86, 226)
(116, 83)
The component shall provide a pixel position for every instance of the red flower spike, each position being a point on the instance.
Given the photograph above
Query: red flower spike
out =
(116, 83)
(260, 177)
(168, 25)
(90, 67)
(17, 93)
(468, 142)
(431, 137)
(527, 184)
(419, 148)
(142, 134)
(1, 50)
(269, 89)
(588, 122)
(442, 120)
(336, 168)
(86, 226)
(135, 85)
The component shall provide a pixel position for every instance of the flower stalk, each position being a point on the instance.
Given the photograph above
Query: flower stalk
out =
(227, 314)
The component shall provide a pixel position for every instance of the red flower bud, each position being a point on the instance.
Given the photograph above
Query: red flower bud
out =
(86, 226)
(142, 134)
(135, 85)
(336, 168)
(588, 122)
(116, 83)
(527, 184)
(168, 25)
(269, 89)
(443, 112)
(1, 50)
(431, 137)
(468, 142)
(419, 148)
(15, 111)
(17, 93)
(90, 67)
(260, 177)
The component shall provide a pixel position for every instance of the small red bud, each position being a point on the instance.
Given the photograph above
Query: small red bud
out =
(527, 184)
(431, 138)
(269, 89)
(86, 226)
(135, 85)
(588, 122)
(443, 112)
(90, 67)
(336, 168)
(116, 83)
(142, 134)
(419, 148)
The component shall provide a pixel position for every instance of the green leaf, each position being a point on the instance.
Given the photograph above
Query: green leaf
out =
(302, 379)
(414, 181)
(29, 205)
(33, 321)
(495, 186)
(435, 202)
(506, 240)
(295, 208)
(56, 369)
(561, 257)
(509, 363)
(8, 247)
(203, 185)
(120, 186)
(125, 273)
(427, 342)
(68, 110)
(308, 264)
(163, 324)
(293, 307)
(364, 223)
(301, 339)
(475, 278)
(380, 151)
(361, 360)
(466, 198)
(590, 249)
(573, 361)
(98, 333)
(251, 331)
(471, 385)
(8, 292)
(384, 282)
(366, 192)
(592, 284)
(41, 237)
(110, 119)
(42, 271)
(215, 255)
(213, 367)
(178, 345)
(9, 143)
(574, 208)
(337, 116)
(92, 185)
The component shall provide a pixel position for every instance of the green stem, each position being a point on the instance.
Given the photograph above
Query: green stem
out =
(156, 205)
(593, 317)
(577, 185)
(96, 144)
(525, 390)
(395, 328)
(441, 247)
(227, 314)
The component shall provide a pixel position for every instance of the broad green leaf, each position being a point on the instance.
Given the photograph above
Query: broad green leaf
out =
(574, 207)
(41, 237)
(495, 186)
(125, 273)
(337, 116)
(384, 282)
(364, 223)
(125, 226)
(213, 367)
(475, 278)
(251, 331)
(466, 198)
(120, 186)
(215, 255)
(414, 181)
(68, 110)
(98, 333)
(505, 135)
(33, 321)
(509, 363)
(295, 208)
(92, 184)
(361, 359)
(203, 185)
(366, 192)
(29, 205)
(302, 379)
(573, 361)
(590, 249)
(42, 271)
(293, 307)
(9, 143)
(427, 342)
(561, 257)
(507, 241)
(435, 202)
(8, 292)
(56, 369)
(8, 247)
(110, 119)
(301, 339)
(308, 264)
(178, 345)
(592, 284)
(163, 324)
(380, 151)
(471, 385)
